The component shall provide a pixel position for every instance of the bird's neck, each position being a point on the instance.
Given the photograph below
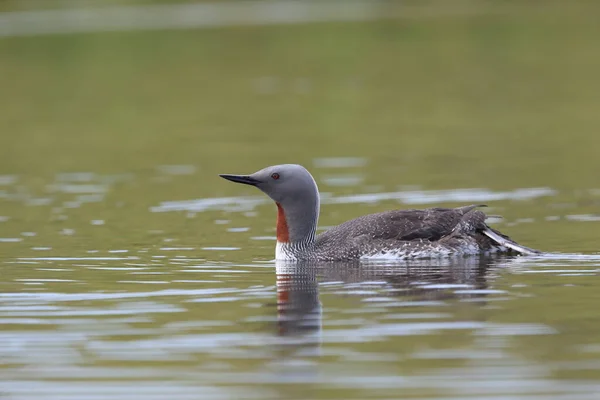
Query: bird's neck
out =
(297, 222)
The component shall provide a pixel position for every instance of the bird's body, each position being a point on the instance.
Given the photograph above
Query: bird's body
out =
(428, 233)
(403, 234)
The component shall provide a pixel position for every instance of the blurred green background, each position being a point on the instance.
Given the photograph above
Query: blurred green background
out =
(505, 93)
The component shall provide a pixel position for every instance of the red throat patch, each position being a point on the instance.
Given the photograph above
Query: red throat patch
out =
(283, 234)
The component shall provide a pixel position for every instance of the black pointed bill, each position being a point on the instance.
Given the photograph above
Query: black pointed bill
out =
(245, 179)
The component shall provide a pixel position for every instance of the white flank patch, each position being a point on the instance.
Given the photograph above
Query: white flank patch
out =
(413, 254)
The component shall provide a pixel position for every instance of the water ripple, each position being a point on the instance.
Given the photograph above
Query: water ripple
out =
(406, 197)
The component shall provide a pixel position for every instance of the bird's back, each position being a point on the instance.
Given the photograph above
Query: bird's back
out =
(406, 232)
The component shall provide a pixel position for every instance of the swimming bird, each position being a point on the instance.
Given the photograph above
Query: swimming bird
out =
(402, 234)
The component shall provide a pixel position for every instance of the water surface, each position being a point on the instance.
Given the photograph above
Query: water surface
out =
(86, 314)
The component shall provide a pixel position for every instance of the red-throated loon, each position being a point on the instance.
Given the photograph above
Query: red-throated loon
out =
(427, 233)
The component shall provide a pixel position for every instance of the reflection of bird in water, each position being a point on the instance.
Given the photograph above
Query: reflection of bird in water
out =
(298, 307)
(299, 311)
(460, 277)
(300, 314)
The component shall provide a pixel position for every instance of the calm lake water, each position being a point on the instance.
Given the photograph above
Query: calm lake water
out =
(129, 269)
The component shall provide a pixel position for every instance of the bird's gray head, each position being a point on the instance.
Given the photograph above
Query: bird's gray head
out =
(294, 190)
(283, 183)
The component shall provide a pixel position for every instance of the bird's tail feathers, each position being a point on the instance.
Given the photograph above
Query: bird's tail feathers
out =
(506, 242)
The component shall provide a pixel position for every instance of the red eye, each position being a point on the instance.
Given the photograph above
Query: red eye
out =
(275, 176)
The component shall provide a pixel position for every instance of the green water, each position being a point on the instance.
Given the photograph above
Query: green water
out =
(128, 269)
